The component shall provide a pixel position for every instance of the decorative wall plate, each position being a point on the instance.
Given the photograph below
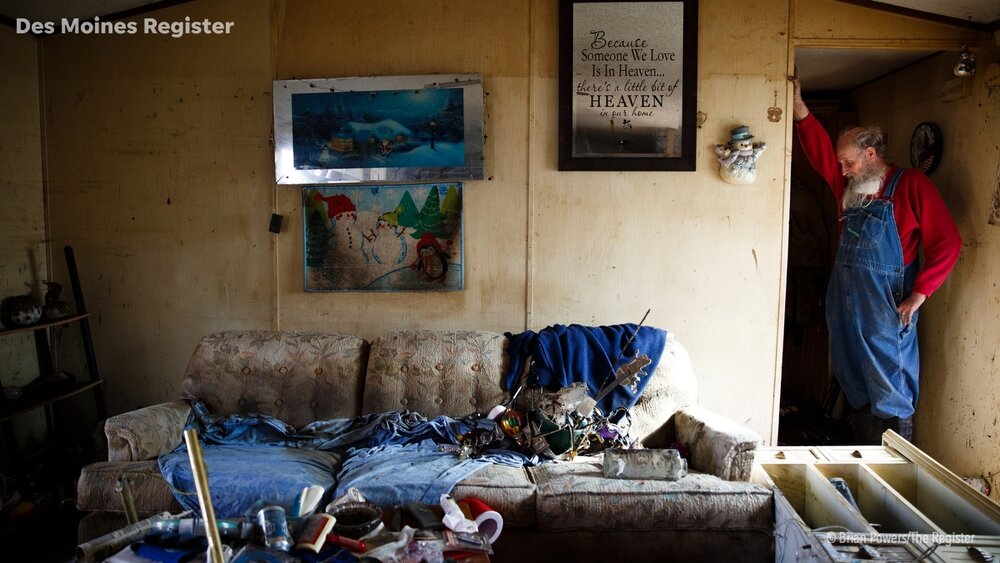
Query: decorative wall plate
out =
(926, 145)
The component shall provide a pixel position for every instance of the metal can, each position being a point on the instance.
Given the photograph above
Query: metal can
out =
(274, 526)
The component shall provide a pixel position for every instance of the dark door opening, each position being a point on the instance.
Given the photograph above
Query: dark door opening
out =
(809, 412)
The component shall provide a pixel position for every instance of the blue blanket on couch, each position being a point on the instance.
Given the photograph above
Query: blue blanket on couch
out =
(392, 458)
(562, 355)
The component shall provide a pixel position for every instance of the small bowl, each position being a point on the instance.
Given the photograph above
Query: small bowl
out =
(355, 519)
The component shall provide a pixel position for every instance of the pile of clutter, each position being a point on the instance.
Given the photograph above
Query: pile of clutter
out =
(563, 424)
(348, 529)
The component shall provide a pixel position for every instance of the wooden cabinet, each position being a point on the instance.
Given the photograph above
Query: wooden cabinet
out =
(903, 505)
(47, 393)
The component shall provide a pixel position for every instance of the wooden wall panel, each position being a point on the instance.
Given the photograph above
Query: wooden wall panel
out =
(326, 40)
(829, 22)
(23, 262)
(160, 175)
(704, 255)
(23, 253)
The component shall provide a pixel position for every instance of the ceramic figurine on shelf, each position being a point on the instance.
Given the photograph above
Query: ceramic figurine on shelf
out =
(54, 308)
(738, 157)
(19, 311)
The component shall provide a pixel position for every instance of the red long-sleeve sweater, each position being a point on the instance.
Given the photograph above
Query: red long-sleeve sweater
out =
(920, 213)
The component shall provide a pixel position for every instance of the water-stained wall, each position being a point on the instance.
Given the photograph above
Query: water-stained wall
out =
(23, 263)
(160, 173)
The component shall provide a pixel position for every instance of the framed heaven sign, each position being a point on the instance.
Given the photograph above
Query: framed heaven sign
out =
(627, 84)
(378, 129)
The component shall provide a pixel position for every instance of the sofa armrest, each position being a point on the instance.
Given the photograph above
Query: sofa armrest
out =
(718, 445)
(147, 432)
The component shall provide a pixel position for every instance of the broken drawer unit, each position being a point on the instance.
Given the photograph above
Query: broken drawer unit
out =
(893, 502)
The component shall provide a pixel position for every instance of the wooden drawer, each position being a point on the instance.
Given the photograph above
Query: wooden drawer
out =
(903, 504)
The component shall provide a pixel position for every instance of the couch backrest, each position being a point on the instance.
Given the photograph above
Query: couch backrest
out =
(460, 372)
(298, 377)
(435, 372)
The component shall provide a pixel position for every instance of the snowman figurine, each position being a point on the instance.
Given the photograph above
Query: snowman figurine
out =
(738, 157)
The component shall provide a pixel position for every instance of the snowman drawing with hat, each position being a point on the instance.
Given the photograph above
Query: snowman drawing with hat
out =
(738, 157)
(348, 240)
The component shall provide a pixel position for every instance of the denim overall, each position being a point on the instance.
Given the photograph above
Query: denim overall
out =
(874, 356)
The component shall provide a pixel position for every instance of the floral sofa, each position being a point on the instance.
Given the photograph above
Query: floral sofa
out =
(565, 511)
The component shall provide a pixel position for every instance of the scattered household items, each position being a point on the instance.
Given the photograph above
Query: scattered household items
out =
(573, 381)
(644, 464)
(307, 501)
(841, 486)
(423, 516)
(738, 158)
(966, 66)
(274, 527)
(489, 522)
(356, 519)
(20, 310)
(980, 483)
(298, 393)
(54, 307)
(273, 536)
(980, 554)
(103, 547)
(454, 519)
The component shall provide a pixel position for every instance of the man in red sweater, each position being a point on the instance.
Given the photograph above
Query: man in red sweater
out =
(887, 214)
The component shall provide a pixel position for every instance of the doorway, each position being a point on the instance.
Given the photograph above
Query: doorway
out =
(808, 392)
(811, 408)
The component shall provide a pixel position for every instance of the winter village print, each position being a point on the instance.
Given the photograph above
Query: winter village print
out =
(383, 237)
(378, 129)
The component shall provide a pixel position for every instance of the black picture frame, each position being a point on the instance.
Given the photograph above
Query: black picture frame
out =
(926, 146)
(628, 84)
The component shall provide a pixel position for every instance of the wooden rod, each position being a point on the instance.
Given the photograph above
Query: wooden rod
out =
(204, 499)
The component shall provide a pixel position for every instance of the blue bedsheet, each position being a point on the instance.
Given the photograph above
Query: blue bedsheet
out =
(241, 474)
(390, 457)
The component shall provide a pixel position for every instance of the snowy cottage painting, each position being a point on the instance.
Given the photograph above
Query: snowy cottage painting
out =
(379, 129)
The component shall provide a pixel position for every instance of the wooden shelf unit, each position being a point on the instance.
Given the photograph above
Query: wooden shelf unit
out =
(47, 392)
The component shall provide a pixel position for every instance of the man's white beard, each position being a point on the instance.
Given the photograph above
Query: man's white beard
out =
(861, 188)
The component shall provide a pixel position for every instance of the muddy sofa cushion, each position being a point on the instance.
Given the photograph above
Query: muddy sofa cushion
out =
(576, 496)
